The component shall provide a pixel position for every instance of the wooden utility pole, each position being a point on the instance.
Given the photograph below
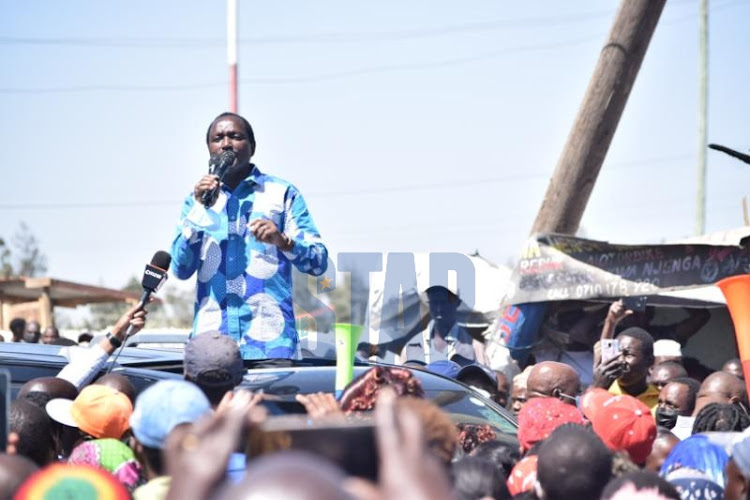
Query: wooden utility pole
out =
(605, 99)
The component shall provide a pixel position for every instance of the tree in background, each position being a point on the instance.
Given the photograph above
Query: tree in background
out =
(30, 261)
(23, 257)
(175, 311)
(6, 268)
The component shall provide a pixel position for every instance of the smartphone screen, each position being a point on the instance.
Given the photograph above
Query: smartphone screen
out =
(610, 349)
(636, 304)
(349, 444)
(4, 408)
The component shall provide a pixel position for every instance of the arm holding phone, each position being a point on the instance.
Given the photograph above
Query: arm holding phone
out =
(611, 363)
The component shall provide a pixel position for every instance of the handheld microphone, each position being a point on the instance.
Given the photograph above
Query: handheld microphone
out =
(218, 165)
(154, 277)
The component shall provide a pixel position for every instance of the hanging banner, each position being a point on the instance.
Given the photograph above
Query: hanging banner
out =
(561, 267)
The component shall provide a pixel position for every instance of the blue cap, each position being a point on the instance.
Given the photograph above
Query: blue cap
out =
(444, 367)
(478, 369)
(163, 406)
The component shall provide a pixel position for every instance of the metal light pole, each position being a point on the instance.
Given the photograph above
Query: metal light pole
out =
(232, 53)
(700, 220)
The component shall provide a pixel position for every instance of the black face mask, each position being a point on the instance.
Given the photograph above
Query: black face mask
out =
(667, 418)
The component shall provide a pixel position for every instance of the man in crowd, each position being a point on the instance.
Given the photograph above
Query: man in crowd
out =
(242, 245)
(50, 335)
(627, 373)
(444, 338)
(573, 463)
(720, 387)
(17, 327)
(734, 366)
(553, 380)
(676, 399)
(32, 332)
(662, 373)
(518, 395)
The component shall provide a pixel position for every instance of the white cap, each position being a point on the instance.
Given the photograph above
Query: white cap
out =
(667, 348)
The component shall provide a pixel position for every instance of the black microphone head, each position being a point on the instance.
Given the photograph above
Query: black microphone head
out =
(213, 162)
(161, 259)
(226, 159)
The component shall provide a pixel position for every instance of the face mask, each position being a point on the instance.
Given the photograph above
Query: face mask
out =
(667, 418)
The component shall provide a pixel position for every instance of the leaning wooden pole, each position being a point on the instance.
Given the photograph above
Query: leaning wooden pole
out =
(605, 99)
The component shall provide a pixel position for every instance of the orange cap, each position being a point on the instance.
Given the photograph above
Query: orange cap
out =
(102, 411)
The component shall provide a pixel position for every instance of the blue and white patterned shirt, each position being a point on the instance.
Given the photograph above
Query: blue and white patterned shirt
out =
(244, 286)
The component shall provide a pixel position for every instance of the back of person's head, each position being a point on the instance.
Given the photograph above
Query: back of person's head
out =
(32, 425)
(17, 327)
(573, 463)
(53, 386)
(362, 392)
(721, 417)
(475, 477)
(294, 475)
(500, 453)
(214, 363)
(14, 469)
(118, 382)
(628, 486)
(85, 338)
(440, 433)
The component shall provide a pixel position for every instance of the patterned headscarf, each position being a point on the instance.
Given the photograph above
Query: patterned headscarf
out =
(111, 455)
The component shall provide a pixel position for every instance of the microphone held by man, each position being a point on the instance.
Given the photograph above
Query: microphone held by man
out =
(217, 166)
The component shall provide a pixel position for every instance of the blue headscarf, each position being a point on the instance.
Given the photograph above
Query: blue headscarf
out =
(700, 454)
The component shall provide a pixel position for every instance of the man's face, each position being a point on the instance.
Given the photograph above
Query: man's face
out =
(518, 398)
(662, 375)
(32, 333)
(50, 335)
(443, 305)
(503, 389)
(229, 134)
(675, 397)
(638, 363)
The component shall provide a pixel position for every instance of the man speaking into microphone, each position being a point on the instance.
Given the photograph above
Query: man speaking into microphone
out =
(241, 230)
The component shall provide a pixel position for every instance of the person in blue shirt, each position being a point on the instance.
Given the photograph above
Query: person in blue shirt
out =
(242, 247)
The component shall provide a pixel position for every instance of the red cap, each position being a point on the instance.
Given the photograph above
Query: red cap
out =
(523, 476)
(626, 424)
(540, 416)
(592, 400)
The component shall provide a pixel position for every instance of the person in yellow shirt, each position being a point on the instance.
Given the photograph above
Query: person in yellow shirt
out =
(628, 372)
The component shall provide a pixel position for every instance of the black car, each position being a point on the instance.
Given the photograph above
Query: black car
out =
(279, 377)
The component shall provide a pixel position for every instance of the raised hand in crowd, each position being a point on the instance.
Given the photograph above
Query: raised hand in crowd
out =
(605, 373)
(617, 312)
(407, 468)
(197, 460)
(320, 405)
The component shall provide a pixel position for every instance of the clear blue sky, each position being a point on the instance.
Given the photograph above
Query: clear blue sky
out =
(427, 125)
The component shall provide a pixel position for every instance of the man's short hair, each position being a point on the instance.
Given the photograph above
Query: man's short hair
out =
(32, 425)
(248, 127)
(573, 463)
(693, 387)
(638, 481)
(647, 341)
(17, 326)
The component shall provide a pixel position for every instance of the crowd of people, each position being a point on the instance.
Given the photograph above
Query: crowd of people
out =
(630, 417)
(30, 332)
(645, 428)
